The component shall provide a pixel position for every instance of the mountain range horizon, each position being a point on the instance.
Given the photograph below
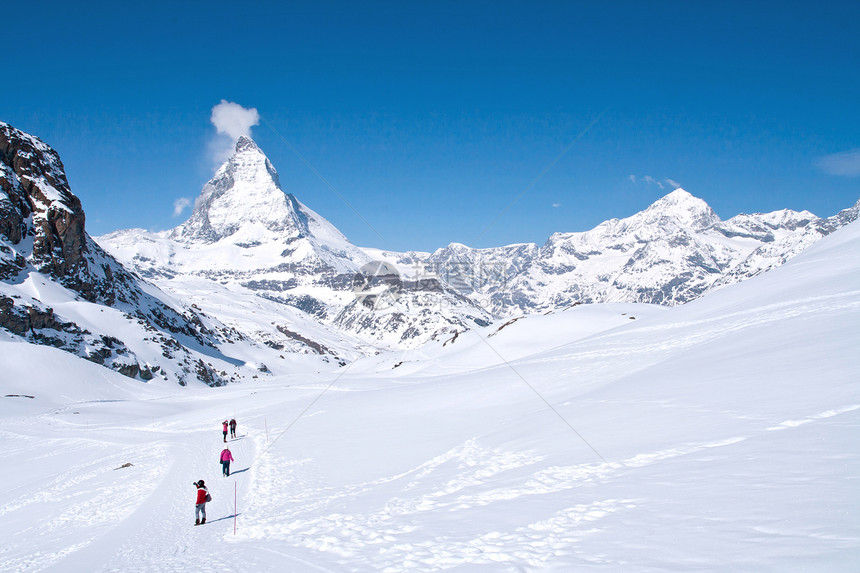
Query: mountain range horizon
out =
(676, 196)
(249, 243)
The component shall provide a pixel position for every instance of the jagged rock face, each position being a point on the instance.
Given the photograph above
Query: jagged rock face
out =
(42, 223)
(42, 229)
(35, 200)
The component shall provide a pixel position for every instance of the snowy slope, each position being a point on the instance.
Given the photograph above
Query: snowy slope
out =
(715, 436)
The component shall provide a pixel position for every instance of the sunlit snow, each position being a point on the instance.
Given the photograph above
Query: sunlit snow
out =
(720, 435)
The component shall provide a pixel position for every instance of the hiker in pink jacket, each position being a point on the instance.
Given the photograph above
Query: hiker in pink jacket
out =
(226, 458)
(224, 424)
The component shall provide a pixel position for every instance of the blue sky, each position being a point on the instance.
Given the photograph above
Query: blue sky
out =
(437, 121)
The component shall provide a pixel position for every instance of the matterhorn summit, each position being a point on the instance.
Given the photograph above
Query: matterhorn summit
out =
(253, 242)
(244, 195)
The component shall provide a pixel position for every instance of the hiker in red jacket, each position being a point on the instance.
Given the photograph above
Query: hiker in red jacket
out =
(200, 504)
(224, 424)
(226, 458)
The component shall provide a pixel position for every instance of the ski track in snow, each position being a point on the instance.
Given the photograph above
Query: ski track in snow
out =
(314, 527)
(331, 527)
(179, 549)
(823, 415)
(113, 512)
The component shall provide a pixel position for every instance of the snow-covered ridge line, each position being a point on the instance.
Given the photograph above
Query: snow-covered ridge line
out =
(673, 252)
(246, 229)
(278, 267)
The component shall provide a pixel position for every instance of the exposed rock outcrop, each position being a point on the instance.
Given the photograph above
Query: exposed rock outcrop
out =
(43, 238)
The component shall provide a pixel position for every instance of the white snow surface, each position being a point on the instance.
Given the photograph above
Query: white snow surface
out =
(720, 435)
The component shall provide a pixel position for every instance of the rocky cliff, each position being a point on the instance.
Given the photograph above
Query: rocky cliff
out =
(46, 256)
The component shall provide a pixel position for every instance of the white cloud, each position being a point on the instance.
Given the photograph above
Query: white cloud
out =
(648, 180)
(234, 120)
(556, 205)
(231, 121)
(651, 181)
(846, 163)
(180, 205)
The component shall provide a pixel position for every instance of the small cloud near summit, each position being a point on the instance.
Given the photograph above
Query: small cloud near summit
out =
(648, 180)
(231, 121)
(651, 181)
(846, 163)
(234, 120)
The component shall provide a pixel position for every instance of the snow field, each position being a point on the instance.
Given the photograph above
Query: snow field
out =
(723, 432)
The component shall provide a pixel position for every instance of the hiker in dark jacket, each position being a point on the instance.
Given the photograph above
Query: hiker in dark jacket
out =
(200, 504)
(233, 428)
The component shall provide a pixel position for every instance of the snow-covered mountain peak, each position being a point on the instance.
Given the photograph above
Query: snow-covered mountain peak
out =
(683, 208)
(679, 195)
(245, 192)
(245, 143)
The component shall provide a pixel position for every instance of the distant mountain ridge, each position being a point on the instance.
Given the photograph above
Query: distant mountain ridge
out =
(672, 252)
(254, 277)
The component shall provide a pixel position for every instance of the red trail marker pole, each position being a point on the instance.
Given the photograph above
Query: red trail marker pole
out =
(235, 508)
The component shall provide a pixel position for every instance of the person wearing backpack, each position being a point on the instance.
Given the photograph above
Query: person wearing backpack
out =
(200, 505)
(226, 458)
